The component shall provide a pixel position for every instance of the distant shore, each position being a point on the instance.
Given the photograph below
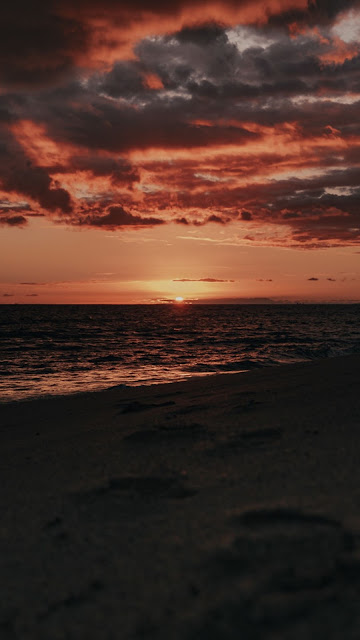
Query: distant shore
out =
(223, 506)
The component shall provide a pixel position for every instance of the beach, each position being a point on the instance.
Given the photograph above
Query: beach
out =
(222, 507)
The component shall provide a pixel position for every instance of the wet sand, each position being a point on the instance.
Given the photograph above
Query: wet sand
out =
(218, 508)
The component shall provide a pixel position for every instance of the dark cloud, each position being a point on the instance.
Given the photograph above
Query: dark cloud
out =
(217, 219)
(42, 42)
(119, 170)
(19, 175)
(200, 223)
(201, 280)
(8, 295)
(118, 217)
(125, 80)
(205, 63)
(304, 205)
(37, 44)
(246, 215)
(217, 89)
(11, 213)
(115, 128)
(331, 279)
(203, 36)
(260, 80)
(12, 220)
(317, 12)
(313, 279)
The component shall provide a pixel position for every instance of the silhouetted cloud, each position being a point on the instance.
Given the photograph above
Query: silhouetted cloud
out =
(38, 43)
(182, 220)
(118, 170)
(116, 217)
(12, 220)
(19, 175)
(313, 279)
(201, 280)
(246, 215)
(317, 12)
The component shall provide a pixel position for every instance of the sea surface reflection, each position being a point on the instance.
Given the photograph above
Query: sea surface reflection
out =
(59, 349)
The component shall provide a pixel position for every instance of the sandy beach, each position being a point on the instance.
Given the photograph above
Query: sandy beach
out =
(218, 508)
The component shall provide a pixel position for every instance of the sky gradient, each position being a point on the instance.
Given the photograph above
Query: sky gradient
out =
(206, 150)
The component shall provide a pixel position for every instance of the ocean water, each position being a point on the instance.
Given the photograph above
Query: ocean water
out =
(59, 349)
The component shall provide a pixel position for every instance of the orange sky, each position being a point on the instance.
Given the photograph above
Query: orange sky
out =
(202, 150)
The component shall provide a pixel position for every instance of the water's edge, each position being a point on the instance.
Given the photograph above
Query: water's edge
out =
(147, 385)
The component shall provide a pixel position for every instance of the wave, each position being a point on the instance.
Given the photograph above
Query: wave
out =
(66, 349)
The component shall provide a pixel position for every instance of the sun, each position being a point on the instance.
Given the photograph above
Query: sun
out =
(179, 299)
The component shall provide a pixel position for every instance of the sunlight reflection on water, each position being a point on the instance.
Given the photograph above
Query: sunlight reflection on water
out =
(66, 349)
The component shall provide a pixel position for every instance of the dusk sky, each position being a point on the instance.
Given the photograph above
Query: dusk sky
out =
(150, 150)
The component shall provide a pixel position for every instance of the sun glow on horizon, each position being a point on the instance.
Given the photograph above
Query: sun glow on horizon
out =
(179, 299)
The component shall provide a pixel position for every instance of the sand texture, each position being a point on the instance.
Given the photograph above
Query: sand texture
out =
(219, 508)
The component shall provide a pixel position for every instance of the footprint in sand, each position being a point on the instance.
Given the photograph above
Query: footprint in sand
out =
(192, 408)
(152, 486)
(246, 440)
(166, 433)
(142, 487)
(73, 600)
(285, 574)
(135, 406)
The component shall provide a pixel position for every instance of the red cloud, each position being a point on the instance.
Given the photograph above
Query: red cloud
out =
(41, 42)
(195, 125)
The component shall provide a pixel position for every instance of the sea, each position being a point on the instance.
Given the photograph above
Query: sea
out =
(63, 349)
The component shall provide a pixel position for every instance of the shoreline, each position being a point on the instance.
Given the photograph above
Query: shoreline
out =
(187, 378)
(218, 507)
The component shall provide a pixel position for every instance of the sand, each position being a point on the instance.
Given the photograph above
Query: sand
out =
(218, 508)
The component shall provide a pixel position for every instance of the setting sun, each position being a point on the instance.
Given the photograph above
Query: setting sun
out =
(179, 299)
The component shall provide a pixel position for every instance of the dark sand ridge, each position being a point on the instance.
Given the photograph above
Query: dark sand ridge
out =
(222, 507)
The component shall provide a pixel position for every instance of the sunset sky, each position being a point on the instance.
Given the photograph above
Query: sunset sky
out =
(150, 150)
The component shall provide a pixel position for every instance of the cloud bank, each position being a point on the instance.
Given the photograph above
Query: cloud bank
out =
(186, 113)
